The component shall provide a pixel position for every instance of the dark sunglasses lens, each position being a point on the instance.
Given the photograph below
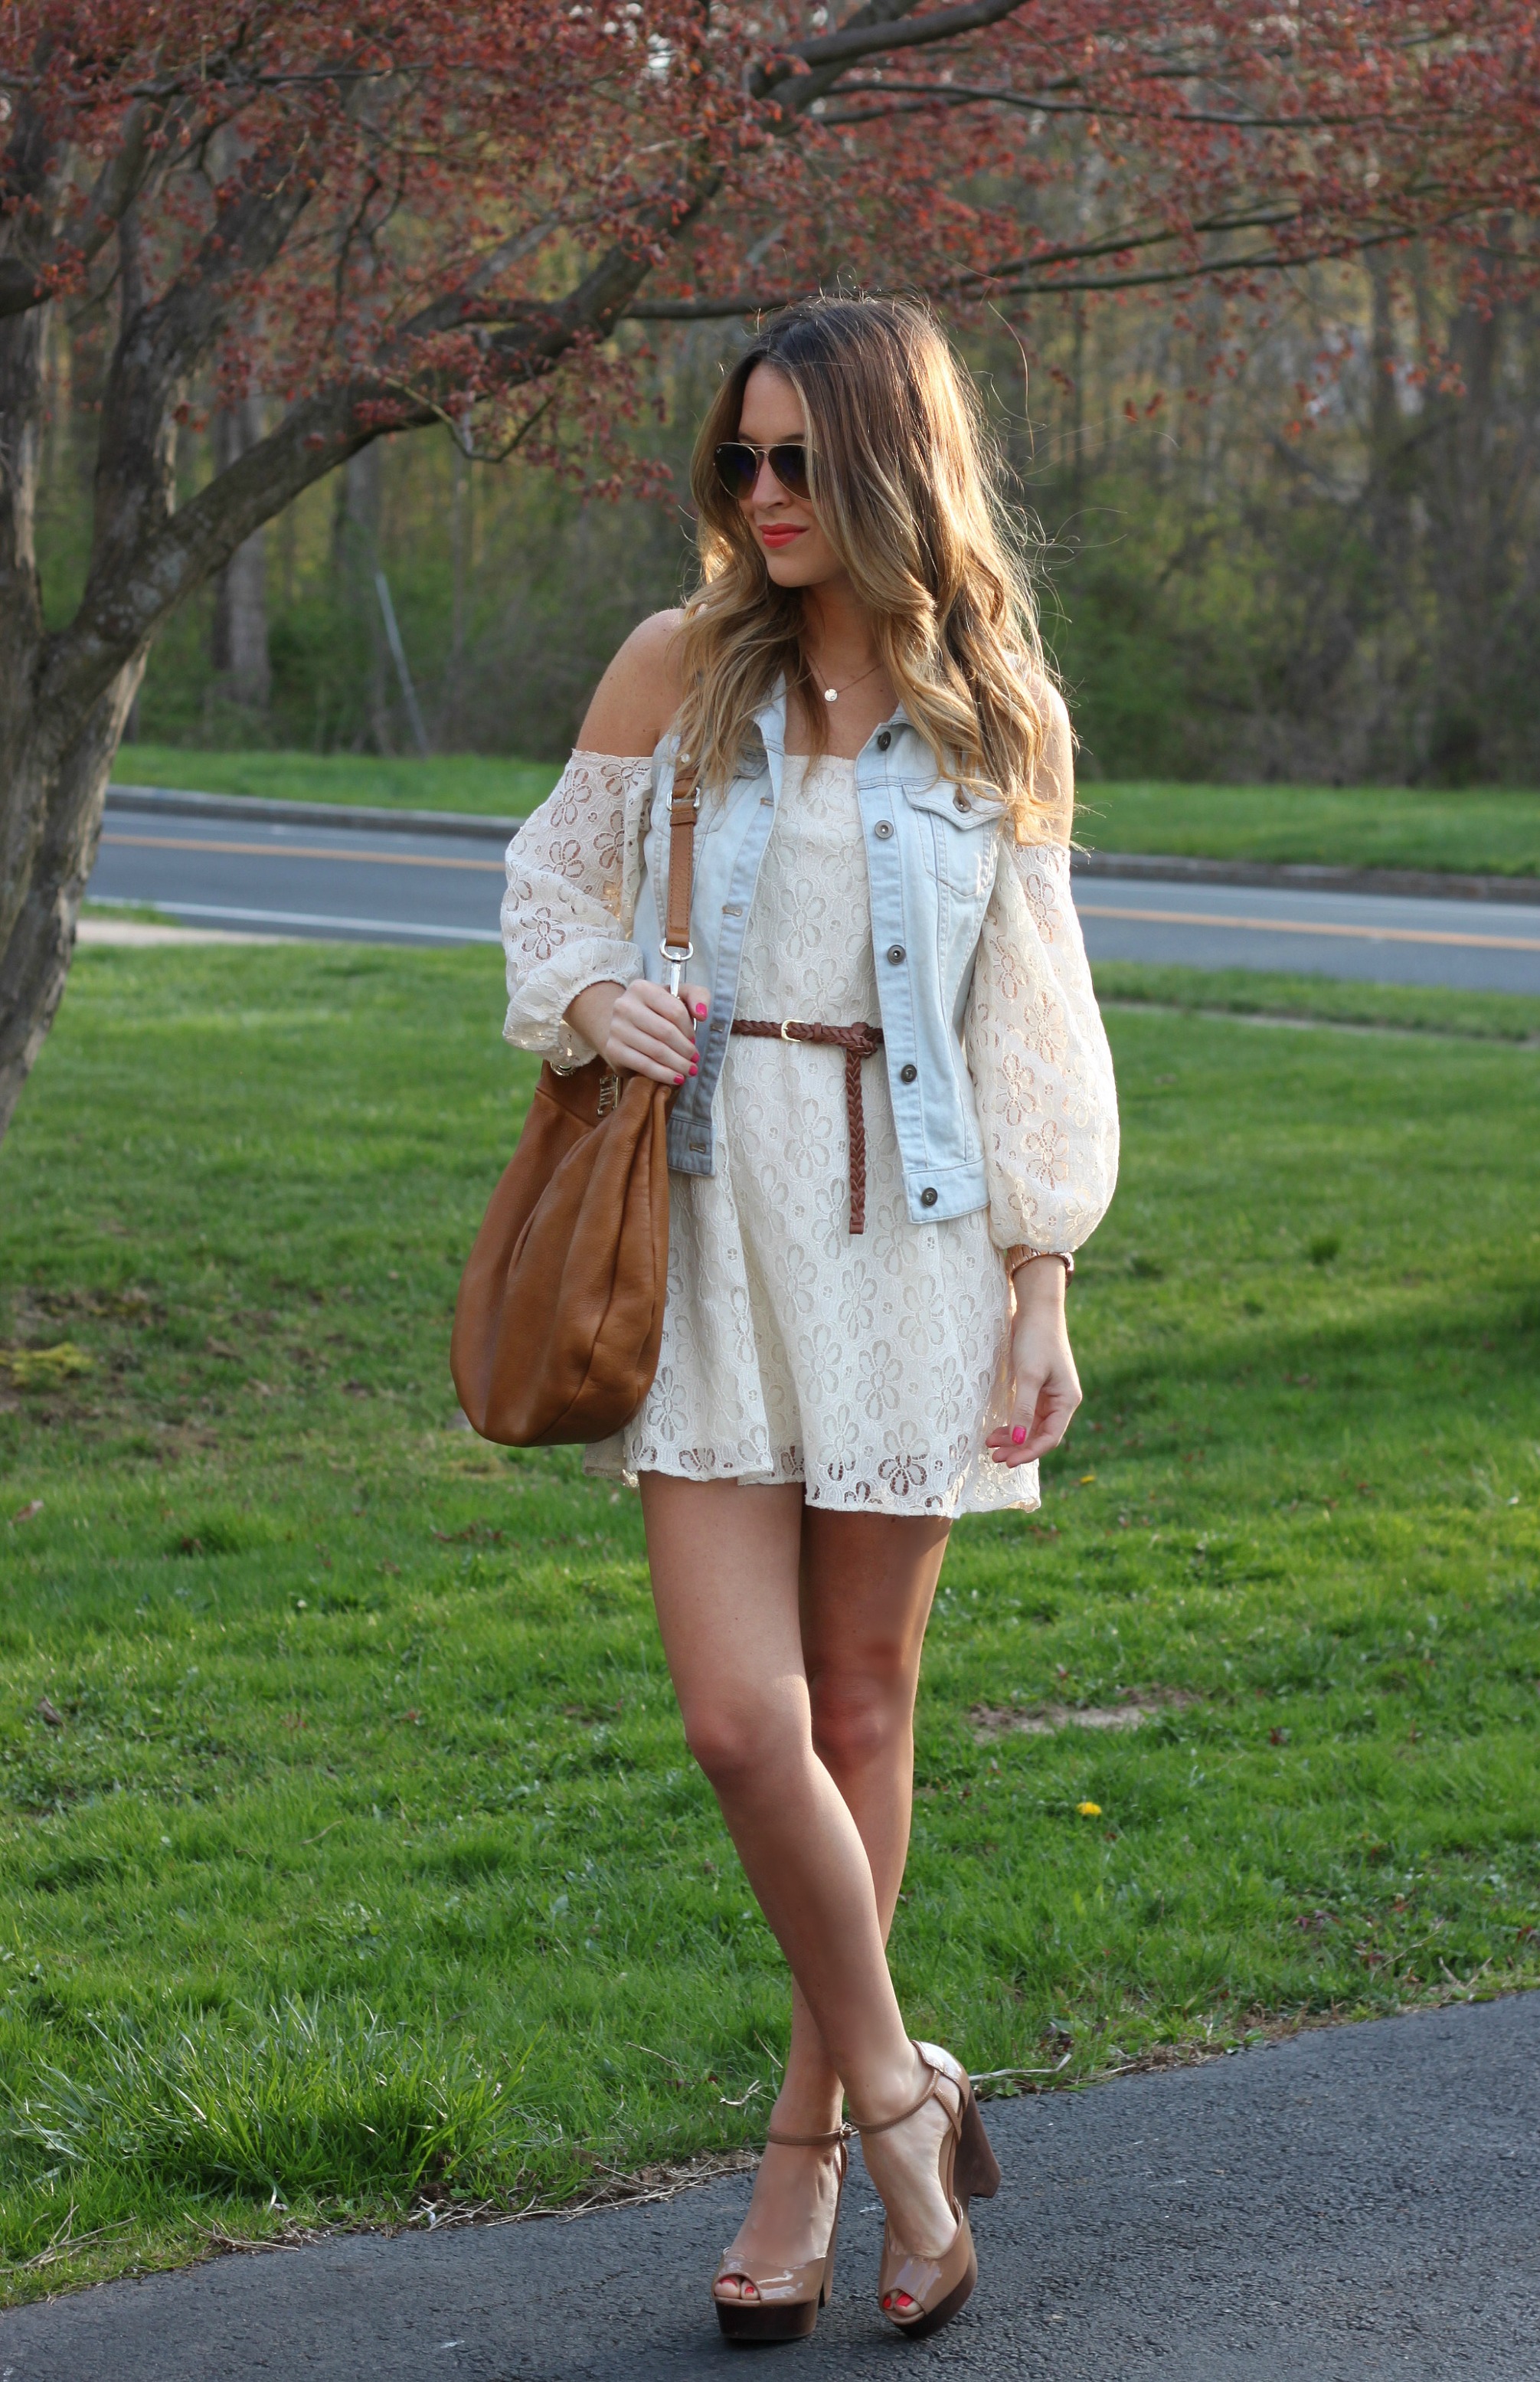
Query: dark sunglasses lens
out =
(737, 467)
(789, 466)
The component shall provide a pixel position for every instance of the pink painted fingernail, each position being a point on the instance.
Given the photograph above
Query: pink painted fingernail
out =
(700, 1009)
(1019, 1435)
(678, 1079)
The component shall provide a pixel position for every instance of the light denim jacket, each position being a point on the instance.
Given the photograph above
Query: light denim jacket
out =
(992, 1035)
(932, 851)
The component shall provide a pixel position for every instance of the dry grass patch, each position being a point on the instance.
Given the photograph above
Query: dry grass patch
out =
(1133, 1706)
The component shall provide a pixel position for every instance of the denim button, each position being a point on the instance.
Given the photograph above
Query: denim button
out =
(895, 954)
(884, 828)
(927, 1198)
(885, 740)
(907, 1075)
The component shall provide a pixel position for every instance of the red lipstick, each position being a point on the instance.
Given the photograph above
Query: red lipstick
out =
(779, 533)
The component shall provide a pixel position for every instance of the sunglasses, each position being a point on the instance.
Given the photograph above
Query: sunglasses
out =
(737, 461)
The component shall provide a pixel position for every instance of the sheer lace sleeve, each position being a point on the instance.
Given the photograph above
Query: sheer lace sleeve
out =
(565, 912)
(1042, 1071)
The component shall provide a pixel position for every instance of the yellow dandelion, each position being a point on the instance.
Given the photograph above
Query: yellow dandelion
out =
(1089, 1810)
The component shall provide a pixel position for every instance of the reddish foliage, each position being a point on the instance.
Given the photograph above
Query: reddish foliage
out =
(412, 196)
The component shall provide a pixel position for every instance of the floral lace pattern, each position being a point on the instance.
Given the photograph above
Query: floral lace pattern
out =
(1048, 1104)
(567, 918)
(869, 1369)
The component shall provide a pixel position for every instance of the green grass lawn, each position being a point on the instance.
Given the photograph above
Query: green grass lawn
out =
(1339, 1001)
(484, 783)
(1360, 826)
(352, 1860)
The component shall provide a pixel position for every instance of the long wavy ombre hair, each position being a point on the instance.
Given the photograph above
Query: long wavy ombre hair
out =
(907, 483)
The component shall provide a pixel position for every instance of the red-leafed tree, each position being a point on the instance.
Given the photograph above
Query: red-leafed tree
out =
(388, 216)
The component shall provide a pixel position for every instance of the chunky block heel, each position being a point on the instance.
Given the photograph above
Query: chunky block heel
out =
(977, 2174)
(937, 2287)
(786, 2303)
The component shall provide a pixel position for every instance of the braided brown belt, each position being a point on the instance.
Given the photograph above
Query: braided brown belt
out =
(857, 1042)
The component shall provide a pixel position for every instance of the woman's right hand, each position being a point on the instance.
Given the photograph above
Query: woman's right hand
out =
(642, 1027)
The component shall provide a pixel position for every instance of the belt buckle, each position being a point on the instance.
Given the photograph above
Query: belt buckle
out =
(787, 1024)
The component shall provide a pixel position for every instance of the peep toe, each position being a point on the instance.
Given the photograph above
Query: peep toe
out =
(789, 2298)
(936, 2288)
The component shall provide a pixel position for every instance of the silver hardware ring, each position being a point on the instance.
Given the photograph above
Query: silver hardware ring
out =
(675, 960)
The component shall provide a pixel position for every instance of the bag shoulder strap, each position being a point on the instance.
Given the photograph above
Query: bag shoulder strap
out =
(684, 804)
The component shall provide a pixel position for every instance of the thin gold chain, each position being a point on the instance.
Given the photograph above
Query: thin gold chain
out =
(832, 693)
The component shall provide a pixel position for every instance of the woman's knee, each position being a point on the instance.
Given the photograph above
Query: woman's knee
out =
(860, 1715)
(741, 1745)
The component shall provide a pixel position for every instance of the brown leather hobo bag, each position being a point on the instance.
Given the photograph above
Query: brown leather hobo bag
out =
(560, 1307)
(559, 1316)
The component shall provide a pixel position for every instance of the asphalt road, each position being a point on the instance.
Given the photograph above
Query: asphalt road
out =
(1389, 939)
(380, 885)
(1357, 2205)
(327, 883)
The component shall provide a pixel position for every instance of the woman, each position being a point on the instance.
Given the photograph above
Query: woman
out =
(870, 1236)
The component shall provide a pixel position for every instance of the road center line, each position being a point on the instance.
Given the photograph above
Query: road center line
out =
(1303, 927)
(294, 852)
(1352, 933)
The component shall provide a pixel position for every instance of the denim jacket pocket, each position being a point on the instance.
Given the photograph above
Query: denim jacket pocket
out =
(956, 835)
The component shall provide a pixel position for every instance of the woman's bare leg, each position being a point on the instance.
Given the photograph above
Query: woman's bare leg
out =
(868, 1582)
(741, 1579)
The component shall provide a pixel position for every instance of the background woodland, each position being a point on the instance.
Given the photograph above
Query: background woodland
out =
(1275, 542)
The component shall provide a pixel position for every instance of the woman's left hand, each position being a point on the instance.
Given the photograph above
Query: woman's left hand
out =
(1045, 1386)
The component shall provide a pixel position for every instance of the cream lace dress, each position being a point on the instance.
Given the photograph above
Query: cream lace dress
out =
(869, 1368)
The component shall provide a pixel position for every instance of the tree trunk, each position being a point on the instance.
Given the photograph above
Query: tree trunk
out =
(239, 635)
(56, 756)
(54, 806)
(1473, 484)
(65, 695)
(361, 531)
(449, 709)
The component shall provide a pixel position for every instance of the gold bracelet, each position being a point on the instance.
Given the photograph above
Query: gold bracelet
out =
(1020, 1254)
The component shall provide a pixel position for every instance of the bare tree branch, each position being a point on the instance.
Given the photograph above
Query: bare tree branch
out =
(133, 586)
(914, 97)
(143, 157)
(1037, 276)
(875, 30)
(796, 80)
(711, 310)
(1179, 276)
(1125, 241)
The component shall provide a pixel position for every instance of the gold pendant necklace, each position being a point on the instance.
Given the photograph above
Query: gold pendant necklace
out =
(832, 693)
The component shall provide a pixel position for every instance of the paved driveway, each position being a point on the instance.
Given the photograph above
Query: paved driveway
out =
(1359, 2203)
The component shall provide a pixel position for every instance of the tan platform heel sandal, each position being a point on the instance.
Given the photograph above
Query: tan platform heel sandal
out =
(789, 2298)
(937, 2287)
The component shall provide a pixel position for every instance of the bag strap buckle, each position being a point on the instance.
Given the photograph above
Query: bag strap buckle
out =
(683, 807)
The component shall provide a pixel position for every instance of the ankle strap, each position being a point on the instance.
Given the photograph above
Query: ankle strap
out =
(809, 2142)
(882, 2125)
